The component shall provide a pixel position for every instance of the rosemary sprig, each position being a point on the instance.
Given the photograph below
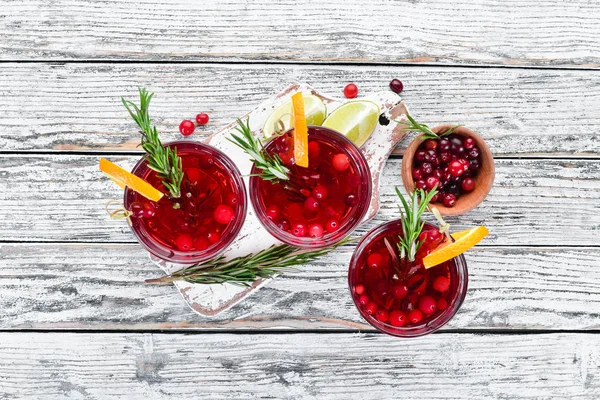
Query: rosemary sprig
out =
(271, 166)
(414, 126)
(245, 270)
(161, 159)
(410, 214)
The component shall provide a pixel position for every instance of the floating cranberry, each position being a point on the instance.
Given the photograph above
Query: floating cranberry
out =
(351, 199)
(415, 316)
(184, 242)
(469, 143)
(427, 305)
(340, 162)
(223, 214)
(359, 289)
(410, 302)
(137, 209)
(396, 86)
(420, 184)
(456, 168)
(441, 304)
(434, 237)
(375, 260)
(468, 185)
(284, 225)
(449, 200)
(311, 204)
(371, 308)
(382, 316)
(206, 162)
(313, 149)
(417, 173)
(202, 119)
(397, 318)
(299, 229)
(431, 144)
(399, 292)
(149, 209)
(201, 244)
(420, 155)
(315, 230)
(193, 174)
(231, 199)
(214, 237)
(332, 225)
(441, 284)
(427, 168)
(272, 213)
(351, 91)
(432, 182)
(363, 300)
(320, 192)
(186, 127)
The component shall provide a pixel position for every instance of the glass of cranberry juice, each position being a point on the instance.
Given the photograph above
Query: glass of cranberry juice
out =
(400, 298)
(319, 205)
(204, 220)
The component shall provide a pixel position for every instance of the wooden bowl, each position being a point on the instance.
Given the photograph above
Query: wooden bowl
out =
(483, 181)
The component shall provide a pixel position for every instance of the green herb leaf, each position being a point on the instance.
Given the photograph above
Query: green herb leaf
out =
(414, 126)
(410, 213)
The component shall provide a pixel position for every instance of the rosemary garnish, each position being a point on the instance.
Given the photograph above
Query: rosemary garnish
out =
(161, 159)
(245, 270)
(414, 126)
(411, 221)
(271, 166)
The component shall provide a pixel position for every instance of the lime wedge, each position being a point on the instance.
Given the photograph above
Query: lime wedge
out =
(355, 119)
(314, 109)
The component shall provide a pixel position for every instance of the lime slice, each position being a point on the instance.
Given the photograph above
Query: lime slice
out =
(356, 119)
(314, 109)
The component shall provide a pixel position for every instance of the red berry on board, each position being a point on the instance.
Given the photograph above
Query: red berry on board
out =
(396, 86)
(315, 230)
(359, 289)
(442, 304)
(371, 308)
(340, 162)
(351, 91)
(202, 119)
(332, 225)
(311, 204)
(415, 316)
(382, 316)
(320, 192)
(441, 284)
(375, 260)
(184, 242)
(449, 200)
(186, 127)
(427, 305)
(397, 318)
(399, 292)
(223, 214)
(299, 229)
(363, 300)
(468, 185)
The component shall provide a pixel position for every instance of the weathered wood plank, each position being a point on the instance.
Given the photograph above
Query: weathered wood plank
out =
(61, 286)
(541, 33)
(299, 366)
(534, 202)
(77, 107)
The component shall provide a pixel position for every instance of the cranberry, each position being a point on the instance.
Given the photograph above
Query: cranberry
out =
(375, 260)
(410, 302)
(149, 210)
(315, 230)
(214, 237)
(469, 143)
(444, 145)
(396, 86)
(446, 177)
(351, 199)
(371, 308)
(456, 168)
(417, 283)
(435, 161)
(441, 284)
(397, 318)
(272, 213)
(436, 197)
(340, 162)
(313, 149)
(427, 168)
(445, 157)
(473, 153)
(449, 200)
(202, 119)
(363, 300)
(441, 304)
(206, 162)
(359, 289)
(137, 209)
(420, 155)
(320, 192)
(437, 173)
(201, 244)
(474, 165)
(382, 316)
(417, 173)
(231, 199)
(223, 214)
(465, 163)
(184, 242)
(468, 185)
(415, 316)
(351, 91)
(430, 154)
(332, 225)
(427, 305)
(435, 237)
(399, 291)
(311, 204)
(353, 180)
(453, 188)
(432, 182)
(284, 225)
(430, 144)
(420, 184)
(193, 174)
(299, 229)
(186, 127)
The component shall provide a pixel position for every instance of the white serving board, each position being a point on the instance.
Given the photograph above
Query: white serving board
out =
(212, 299)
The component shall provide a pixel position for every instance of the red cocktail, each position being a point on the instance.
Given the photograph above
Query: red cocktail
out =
(318, 205)
(403, 298)
(204, 220)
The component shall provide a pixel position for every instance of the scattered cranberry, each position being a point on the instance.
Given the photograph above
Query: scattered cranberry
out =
(427, 305)
(186, 127)
(332, 225)
(351, 91)
(375, 260)
(449, 200)
(184, 242)
(359, 289)
(415, 316)
(397, 318)
(311, 204)
(315, 230)
(371, 308)
(382, 316)
(396, 86)
(202, 119)
(340, 162)
(320, 192)
(299, 229)
(364, 300)
(442, 304)
(441, 284)
(223, 214)
(468, 185)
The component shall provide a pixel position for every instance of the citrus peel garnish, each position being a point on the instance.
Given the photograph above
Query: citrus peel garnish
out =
(125, 178)
(463, 241)
(300, 131)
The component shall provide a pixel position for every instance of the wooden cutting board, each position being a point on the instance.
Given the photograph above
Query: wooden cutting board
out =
(212, 299)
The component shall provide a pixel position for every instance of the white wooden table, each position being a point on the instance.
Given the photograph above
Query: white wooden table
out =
(76, 319)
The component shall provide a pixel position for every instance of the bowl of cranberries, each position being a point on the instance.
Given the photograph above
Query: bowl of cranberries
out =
(459, 164)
